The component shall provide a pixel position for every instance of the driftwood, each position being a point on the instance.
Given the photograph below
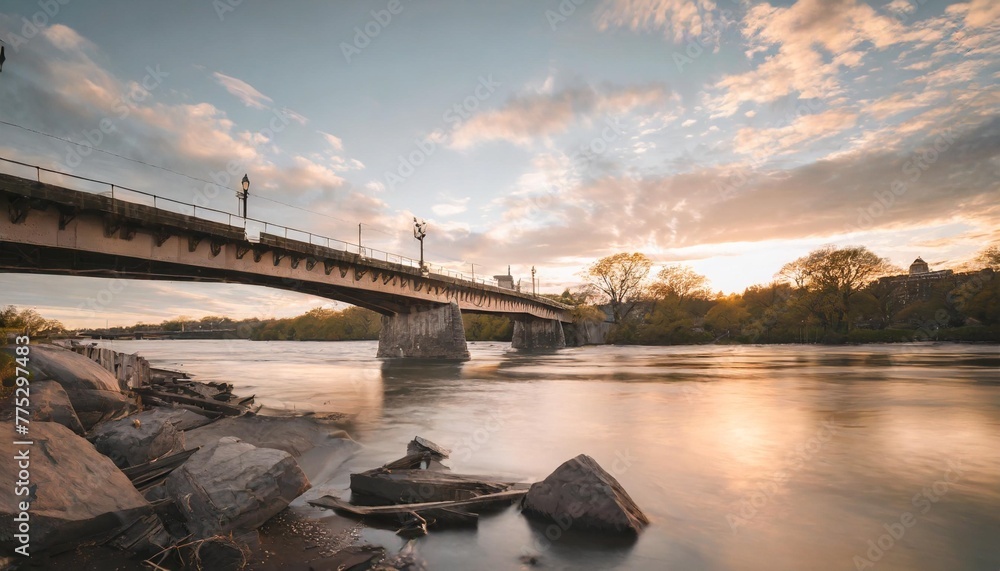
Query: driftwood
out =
(204, 403)
(442, 513)
(419, 445)
(429, 486)
(420, 460)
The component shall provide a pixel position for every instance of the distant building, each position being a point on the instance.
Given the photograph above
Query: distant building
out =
(505, 281)
(918, 283)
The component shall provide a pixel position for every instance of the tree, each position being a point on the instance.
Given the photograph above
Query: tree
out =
(620, 277)
(834, 276)
(680, 282)
(990, 257)
(29, 320)
(727, 316)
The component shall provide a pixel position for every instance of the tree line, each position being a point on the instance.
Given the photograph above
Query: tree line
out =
(831, 295)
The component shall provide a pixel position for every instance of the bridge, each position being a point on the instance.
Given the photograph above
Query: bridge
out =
(126, 233)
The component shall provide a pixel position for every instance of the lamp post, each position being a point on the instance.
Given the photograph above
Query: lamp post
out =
(244, 194)
(533, 280)
(420, 232)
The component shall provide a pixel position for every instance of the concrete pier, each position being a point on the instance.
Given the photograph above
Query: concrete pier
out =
(426, 332)
(531, 333)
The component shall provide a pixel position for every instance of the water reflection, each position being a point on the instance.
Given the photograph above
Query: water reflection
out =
(731, 450)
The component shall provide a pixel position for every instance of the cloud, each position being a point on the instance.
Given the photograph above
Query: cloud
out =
(452, 207)
(243, 91)
(795, 136)
(332, 140)
(676, 19)
(804, 47)
(978, 13)
(524, 119)
(711, 207)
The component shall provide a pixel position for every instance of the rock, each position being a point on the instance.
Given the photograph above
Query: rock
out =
(80, 496)
(581, 495)
(180, 418)
(50, 403)
(231, 485)
(137, 439)
(93, 391)
(295, 435)
(419, 445)
(354, 558)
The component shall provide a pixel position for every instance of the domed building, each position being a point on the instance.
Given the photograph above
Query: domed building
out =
(919, 266)
(918, 283)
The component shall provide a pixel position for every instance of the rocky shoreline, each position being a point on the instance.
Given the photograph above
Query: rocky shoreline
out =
(138, 468)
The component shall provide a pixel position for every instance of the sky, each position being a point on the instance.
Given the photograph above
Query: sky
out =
(731, 136)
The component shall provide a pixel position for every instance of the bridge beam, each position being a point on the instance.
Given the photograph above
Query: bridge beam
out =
(426, 332)
(532, 333)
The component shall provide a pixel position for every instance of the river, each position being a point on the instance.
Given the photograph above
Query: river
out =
(743, 457)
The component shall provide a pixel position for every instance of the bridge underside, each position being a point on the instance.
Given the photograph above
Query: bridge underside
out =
(54, 230)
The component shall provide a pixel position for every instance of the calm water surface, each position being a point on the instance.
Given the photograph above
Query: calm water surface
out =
(746, 458)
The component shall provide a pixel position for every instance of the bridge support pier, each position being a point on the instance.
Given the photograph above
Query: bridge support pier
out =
(533, 333)
(434, 332)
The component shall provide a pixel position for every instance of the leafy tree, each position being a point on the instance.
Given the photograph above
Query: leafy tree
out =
(620, 277)
(727, 316)
(833, 277)
(679, 282)
(990, 257)
(29, 320)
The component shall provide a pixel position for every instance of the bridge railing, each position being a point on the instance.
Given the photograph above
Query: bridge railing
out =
(131, 195)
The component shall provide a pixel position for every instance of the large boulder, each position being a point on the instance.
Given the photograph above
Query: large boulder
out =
(230, 485)
(50, 403)
(581, 495)
(295, 435)
(93, 390)
(76, 495)
(137, 439)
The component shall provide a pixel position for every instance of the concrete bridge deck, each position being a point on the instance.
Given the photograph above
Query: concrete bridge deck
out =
(52, 229)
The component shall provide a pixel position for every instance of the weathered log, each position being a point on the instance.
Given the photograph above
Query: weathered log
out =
(419, 444)
(208, 404)
(399, 486)
(418, 461)
(425, 509)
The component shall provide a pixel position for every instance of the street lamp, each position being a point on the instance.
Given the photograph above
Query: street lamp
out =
(420, 232)
(533, 280)
(243, 195)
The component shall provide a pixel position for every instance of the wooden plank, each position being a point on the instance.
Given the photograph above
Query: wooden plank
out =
(208, 404)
